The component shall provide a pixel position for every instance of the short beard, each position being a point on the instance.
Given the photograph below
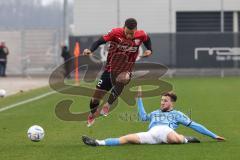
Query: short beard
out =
(165, 109)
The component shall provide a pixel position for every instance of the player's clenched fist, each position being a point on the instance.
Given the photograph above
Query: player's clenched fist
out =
(87, 52)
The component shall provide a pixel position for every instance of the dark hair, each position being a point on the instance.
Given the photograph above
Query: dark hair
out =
(172, 95)
(131, 23)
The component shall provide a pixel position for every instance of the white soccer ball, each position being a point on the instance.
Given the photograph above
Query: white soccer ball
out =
(35, 133)
(2, 93)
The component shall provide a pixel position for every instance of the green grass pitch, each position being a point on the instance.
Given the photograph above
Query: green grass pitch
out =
(214, 102)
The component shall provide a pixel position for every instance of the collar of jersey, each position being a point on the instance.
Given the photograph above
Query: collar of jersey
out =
(167, 111)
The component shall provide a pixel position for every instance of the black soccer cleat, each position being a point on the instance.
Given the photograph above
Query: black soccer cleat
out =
(89, 141)
(192, 139)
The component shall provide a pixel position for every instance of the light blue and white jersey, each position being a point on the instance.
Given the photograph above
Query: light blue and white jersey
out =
(172, 119)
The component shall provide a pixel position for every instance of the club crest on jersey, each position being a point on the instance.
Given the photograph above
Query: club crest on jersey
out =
(137, 41)
(120, 39)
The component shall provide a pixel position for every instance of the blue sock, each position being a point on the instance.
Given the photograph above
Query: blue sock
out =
(112, 141)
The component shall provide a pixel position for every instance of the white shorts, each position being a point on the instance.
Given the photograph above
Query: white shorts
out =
(155, 135)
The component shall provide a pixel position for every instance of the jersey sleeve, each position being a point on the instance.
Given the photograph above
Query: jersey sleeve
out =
(145, 36)
(141, 111)
(183, 119)
(148, 44)
(109, 36)
(186, 121)
(201, 129)
(97, 43)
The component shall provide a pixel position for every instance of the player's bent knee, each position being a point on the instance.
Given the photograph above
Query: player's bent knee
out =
(123, 78)
(174, 138)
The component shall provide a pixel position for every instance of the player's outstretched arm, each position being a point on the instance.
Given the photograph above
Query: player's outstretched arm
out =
(203, 130)
(148, 45)
(141, 111)
(94, 46)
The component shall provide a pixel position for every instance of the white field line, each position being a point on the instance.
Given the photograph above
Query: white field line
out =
(26, 101)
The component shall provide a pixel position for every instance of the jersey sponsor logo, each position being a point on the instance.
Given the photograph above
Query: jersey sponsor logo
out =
(126, 48)
(120, 47)
(161, 117)
(104, 52)
(123, 47)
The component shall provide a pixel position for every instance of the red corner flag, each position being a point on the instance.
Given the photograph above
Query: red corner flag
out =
(76, 55)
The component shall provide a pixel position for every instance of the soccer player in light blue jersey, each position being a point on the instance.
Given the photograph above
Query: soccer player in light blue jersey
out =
(163, 123)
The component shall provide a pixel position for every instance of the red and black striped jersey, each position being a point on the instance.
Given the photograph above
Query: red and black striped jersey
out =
(122, 52)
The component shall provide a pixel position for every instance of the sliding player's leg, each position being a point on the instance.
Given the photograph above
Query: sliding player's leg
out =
(156, 135)
(135, 138)
(130, 138)
(175, 138)
(161, 134)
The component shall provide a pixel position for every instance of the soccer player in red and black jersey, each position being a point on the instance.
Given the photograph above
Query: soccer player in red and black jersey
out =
(122, 54)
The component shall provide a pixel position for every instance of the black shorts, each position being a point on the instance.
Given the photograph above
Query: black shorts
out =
(108, 80)
(105, 81)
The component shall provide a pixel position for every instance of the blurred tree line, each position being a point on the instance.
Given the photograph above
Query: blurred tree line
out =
(20, 14)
